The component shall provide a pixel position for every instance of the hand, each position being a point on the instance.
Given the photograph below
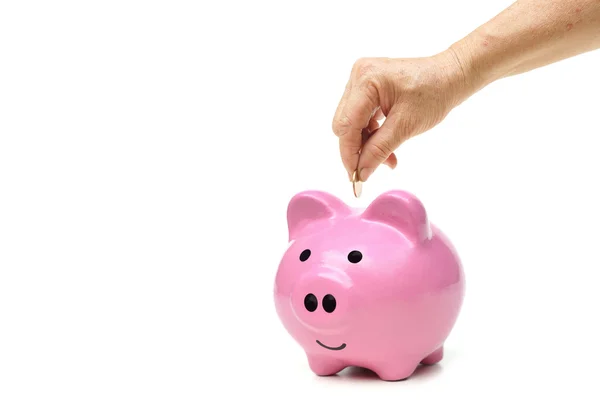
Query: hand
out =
(413, 95)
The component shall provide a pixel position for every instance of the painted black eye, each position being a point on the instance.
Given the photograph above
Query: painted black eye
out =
(304, 255)
(355, 257)
(329, 303)
(310, 302)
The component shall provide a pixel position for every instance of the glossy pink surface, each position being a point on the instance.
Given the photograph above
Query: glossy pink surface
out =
(389, 308)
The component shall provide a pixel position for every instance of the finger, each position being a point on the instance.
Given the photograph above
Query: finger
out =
(342, 103)
(369, 130)
(379, 148)
(349, 152)
(365, 136)
(372, 126)
(356, 115)
(391, 161)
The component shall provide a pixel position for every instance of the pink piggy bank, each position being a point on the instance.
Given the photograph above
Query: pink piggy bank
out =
(379, 288)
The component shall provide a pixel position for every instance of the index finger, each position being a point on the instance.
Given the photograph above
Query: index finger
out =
(357, 111)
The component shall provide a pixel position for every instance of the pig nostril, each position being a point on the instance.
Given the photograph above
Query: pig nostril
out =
(355, 257)
(329, 303)
(311, 302)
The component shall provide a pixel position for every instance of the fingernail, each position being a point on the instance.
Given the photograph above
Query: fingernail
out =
(365, 173)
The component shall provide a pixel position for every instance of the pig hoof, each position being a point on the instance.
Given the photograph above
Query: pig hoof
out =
(323, 366)
(434, 357)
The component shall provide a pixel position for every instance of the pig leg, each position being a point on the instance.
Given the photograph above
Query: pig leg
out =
(325, 366)
(398, 372)
(434, 357)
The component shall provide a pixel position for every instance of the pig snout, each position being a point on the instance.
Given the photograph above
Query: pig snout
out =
(321, 299)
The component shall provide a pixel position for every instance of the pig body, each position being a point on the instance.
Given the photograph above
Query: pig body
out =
(379, 288)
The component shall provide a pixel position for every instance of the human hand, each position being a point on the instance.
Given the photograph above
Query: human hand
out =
(413, 95)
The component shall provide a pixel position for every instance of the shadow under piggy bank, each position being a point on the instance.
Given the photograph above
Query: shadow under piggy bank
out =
(365, 374)
(378, 288)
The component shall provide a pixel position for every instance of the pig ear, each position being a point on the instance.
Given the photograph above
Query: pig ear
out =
(402, 211)
(307, 207)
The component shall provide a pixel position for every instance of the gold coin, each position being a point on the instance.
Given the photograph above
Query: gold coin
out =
(356, 184)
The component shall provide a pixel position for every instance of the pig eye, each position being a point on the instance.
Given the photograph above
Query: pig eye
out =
(304, 255)
(354, 257)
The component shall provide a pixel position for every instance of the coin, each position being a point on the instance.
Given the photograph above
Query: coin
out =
(356, 184)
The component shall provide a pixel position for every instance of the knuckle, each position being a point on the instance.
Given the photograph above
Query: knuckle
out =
(382, 149)
(341, 125)
(371, 91)
(334, 126)
(364, 67)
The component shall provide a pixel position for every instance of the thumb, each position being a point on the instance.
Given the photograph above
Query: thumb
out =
(379, 147)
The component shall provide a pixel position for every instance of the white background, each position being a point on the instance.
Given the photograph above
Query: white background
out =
(148, 151)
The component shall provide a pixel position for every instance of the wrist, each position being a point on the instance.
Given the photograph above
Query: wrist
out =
(484, 58)
(458, 80)
(476, 61)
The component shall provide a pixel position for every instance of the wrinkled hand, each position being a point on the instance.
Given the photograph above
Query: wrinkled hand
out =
(412, 95)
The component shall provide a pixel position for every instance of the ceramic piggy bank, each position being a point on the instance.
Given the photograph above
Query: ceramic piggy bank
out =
(379, 288)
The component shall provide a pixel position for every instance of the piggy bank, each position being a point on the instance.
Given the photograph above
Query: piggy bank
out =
(379, 288)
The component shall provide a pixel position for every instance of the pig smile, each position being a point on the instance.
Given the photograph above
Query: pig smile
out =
(341, 347)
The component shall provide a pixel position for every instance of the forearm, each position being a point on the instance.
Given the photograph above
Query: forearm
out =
(527, 35)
